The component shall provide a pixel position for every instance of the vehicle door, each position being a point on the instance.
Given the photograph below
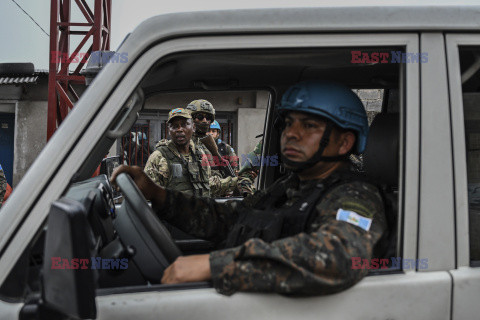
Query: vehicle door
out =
(411, 292)
(463, 57)
(423, 294)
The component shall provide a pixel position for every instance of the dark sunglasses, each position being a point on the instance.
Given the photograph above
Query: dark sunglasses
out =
(201, 116)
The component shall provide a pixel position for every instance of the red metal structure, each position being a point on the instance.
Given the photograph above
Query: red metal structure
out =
(61, 94)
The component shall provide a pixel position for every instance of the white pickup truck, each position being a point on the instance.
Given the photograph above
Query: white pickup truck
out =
(424, 146)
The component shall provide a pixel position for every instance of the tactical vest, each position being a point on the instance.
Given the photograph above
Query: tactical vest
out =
(222, 148)
(188, 177)
(269, 221)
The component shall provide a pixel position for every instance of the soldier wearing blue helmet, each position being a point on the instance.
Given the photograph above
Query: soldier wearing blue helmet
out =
(301, 234)
(225, 150)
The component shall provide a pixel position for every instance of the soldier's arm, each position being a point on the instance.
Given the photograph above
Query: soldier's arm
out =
(156, 168)
(315, 262)
(246, 181)
(219, 187)
(202, 217)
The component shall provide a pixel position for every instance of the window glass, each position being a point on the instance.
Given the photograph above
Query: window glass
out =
(246, 85)
(469, 58)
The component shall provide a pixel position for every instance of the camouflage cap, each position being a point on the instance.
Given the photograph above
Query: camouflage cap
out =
(178, 112)
(201, 105)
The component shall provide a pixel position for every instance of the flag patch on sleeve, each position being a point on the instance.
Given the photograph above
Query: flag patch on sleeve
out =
(354, 218)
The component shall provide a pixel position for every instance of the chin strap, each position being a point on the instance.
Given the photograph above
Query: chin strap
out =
(298, 166)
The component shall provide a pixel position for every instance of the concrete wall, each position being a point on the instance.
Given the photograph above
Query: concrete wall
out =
(250, 123)
(30, 135)
(221, 101)
(29, 103)
(372, 101)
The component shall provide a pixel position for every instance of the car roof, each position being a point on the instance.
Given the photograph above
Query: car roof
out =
(300, 20)
(381, 18)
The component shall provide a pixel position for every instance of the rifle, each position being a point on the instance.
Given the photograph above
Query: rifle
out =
(212, 147)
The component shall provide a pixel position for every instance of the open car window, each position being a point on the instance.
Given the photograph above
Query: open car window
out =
(245, 86)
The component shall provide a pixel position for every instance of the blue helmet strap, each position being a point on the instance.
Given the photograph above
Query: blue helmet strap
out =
(317, 157)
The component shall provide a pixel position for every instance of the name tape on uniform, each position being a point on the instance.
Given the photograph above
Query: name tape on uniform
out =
(354, 218)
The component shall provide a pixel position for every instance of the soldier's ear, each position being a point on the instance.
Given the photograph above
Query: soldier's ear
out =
(347, 141)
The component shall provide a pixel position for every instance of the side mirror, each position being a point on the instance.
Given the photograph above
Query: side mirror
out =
(68, 280)
(108, 165)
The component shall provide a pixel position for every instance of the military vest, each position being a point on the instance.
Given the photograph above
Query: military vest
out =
(270, 220)
(222, 148)
(208, 158)
(189, 177)
(217, 163)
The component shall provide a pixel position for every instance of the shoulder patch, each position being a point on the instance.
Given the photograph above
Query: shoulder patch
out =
(354, 218)
(358, 208)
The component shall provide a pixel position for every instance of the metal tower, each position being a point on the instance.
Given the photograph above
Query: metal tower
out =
(61, 94)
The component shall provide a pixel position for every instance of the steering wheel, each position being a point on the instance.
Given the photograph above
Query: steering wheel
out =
(140, 227)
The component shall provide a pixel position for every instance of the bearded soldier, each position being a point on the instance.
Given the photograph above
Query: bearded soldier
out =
(203, 115)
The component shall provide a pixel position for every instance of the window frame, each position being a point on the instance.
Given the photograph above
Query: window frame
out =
(409, 142)
(453, 44)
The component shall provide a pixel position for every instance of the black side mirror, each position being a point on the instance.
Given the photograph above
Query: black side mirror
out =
(68, 280)
(108, 165)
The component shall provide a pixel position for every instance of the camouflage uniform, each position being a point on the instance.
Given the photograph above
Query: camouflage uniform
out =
(316, 260)
(227, 152)
(250, 168)
(157, 168)
(169, 169)
(246, 182)
(220, 186)
(3, 185)
(208, 155)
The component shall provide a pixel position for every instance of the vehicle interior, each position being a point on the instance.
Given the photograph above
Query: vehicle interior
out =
(131, 228)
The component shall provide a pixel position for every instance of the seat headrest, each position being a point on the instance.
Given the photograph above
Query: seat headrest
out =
(381, 156)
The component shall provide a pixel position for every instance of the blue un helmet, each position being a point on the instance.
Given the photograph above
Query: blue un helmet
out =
(215, 125)
(332, 101)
